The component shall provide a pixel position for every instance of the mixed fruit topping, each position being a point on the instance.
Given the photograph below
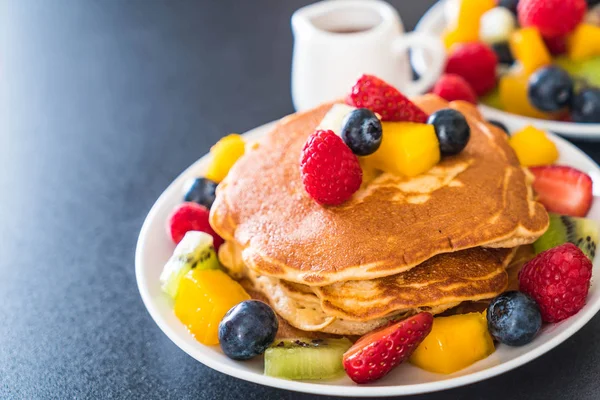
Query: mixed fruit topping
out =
(380, 129)
(536, 58)
(377, 129)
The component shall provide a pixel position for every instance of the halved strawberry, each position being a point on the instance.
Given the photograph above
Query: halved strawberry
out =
(382, 98)
(563, 190)
(376, 353)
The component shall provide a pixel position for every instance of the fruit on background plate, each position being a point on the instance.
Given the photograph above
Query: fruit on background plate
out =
(582, 232)
(454, 343)
(306, 358)
(195, 250)
(528, 47)
(584, 43)
(513, 96)
(203, 299)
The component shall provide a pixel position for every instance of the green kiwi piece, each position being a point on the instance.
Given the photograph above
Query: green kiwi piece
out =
(306, 358)
(582, 232)
(195, 250)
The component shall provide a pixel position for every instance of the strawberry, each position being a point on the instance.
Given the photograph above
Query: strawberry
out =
(378, 352)
(551, 17)
(563, 190)
(382, 98)
(451, 87)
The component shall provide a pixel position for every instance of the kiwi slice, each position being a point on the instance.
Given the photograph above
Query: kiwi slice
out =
(195, 250)
(306, 358)
(582, 232)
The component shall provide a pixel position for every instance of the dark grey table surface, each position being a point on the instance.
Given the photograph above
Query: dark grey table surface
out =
(102, 104)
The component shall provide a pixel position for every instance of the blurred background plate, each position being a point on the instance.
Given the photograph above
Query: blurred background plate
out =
(434, 22)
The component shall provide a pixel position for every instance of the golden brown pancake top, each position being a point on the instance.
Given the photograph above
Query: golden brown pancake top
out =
(481, 197)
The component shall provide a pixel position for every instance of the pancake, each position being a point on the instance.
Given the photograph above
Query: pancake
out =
(481, 197)
(304, 312)
(357, 307)
(468, 275)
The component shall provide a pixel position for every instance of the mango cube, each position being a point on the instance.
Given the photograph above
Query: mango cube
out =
(407, 149)
(454, 343)
(203, 299)
(528, 47)
(466, 27)
(533, 147)
(224, 154)
(584, 42)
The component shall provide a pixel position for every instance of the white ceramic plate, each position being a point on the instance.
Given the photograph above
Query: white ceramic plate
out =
(154, 248)
(433, 22)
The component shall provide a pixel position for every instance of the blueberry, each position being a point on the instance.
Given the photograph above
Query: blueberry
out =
(550, 88)
(247, 330)
(452, 130)
(503, 52)
(361, 131)
(585, 106)
(499, 125)
(201, 191)
(510, 4)
(514, 318)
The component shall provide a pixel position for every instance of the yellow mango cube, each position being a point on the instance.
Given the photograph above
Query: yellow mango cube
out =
(466, 27)
(454, 343)
(584, 42)
(533, 147)
(224, 154)
(514, 99)
(528, 47)
(407, 149)
(203, 299)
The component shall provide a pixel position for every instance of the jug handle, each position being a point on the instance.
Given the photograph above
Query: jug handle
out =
(432, 46)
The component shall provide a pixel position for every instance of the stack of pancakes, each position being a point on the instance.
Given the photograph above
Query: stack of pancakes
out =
(398, 246)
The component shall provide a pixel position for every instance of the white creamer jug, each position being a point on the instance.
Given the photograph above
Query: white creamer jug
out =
(336, 41)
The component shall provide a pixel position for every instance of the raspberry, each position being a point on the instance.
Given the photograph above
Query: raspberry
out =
(551, 17)
(191, 217)
(558, 280)
(452, 87)
(476, 63)
(382, 98)
(330, 171)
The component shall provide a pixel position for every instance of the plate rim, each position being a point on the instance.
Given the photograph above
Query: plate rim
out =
(567, 129)
(324, 388)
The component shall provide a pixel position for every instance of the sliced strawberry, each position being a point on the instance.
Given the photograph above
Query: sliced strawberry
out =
(376, 353)
(563, 190)
(380, 97)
